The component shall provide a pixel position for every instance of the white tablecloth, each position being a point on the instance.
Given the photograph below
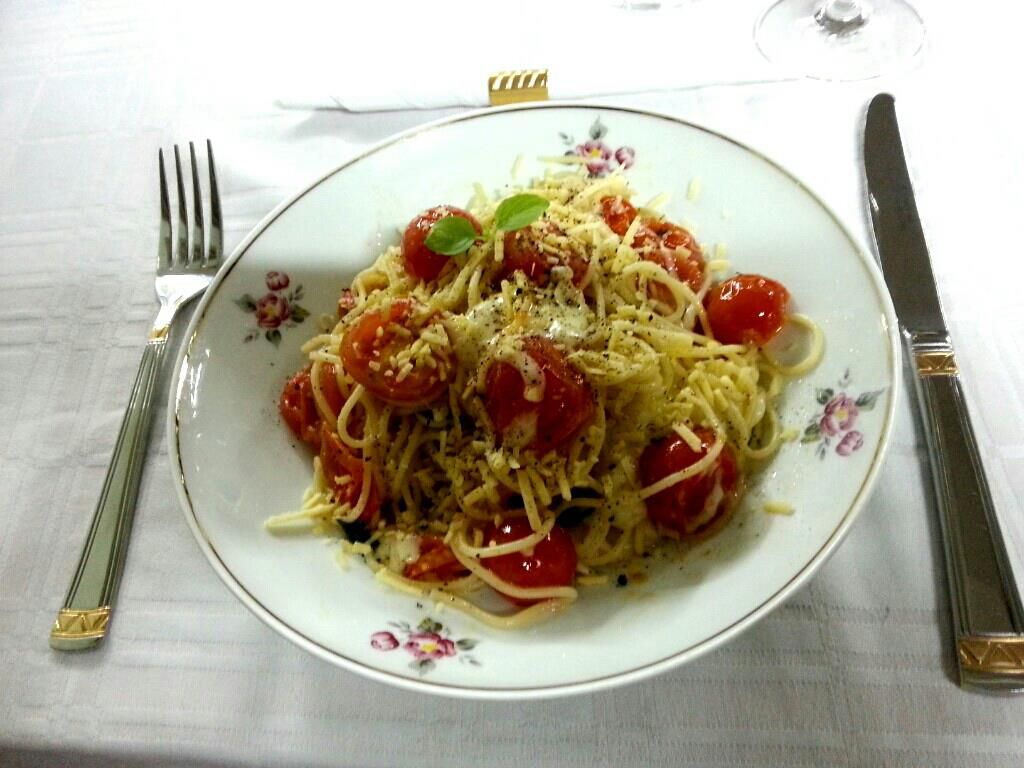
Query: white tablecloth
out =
(855, 670)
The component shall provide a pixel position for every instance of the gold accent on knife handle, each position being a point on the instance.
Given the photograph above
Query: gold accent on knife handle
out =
(517, 86)
(993, 655)
(77, 630)
(932, 353)
(936, 363)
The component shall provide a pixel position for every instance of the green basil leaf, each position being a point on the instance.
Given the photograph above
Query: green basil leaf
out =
(519, 211)
(450, 236)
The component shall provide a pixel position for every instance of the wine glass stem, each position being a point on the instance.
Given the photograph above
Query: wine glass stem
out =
(838, 16)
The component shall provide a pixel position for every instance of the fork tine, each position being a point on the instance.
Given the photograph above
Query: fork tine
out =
(181, 251)
(163, 258)
(198, 226)
(216, 251)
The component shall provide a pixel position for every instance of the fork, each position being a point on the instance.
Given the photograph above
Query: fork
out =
(83, 620)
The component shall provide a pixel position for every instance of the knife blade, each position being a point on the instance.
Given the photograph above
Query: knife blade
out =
(988, 620)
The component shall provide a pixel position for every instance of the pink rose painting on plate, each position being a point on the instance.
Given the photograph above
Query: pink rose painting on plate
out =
(427, 643)
(278, 308)
(599, 156)
(837, 421)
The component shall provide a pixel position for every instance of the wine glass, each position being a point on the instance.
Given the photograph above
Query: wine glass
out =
(840, 39)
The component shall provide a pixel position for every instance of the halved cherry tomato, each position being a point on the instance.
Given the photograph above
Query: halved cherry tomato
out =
(420, 261)
(522, 253)
(549, 563)
(368, 347)
(435, 563)
(298, 407)
(338, 460)
(684, 507)
(564, 409)
(746, 309)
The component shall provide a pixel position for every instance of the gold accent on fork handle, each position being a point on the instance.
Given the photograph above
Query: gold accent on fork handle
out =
(77, 630)
(83, 620)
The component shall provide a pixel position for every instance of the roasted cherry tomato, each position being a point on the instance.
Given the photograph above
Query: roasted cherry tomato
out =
(420, 261)
(746, 309)
(338, 461)
(688, 269)
(658, 233)
(370, 345)
(693, 504)
(564, 408)
(523, 253)
(618, 214)
(298, 406)
(675, 250)
(660, 241)
(435, 563)
(549, 563)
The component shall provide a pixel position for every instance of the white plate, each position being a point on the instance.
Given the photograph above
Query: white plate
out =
(235, 464)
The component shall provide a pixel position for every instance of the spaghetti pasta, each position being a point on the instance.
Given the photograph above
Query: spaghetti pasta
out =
(543, 405)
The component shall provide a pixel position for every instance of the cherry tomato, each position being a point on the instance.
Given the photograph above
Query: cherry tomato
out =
(338, 460)
(435, 563)
(522, 253)
(565, 408)
(746, 309)
(688, 269)
(659, 241)
(551, 562)
(367, 355)
(420, 261)
(652, 233)
(658, 233)
(618, 214)
(675, 249)
(298, 407)
(682, 507)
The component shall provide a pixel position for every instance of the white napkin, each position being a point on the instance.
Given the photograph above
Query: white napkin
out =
(588, 48)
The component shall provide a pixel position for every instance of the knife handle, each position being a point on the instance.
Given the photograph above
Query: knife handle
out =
(984, 597)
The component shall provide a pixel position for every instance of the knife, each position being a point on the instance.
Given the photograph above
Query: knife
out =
(988, 620)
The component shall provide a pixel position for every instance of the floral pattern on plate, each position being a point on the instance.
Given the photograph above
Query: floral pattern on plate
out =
(278, 308)
(428, 642)
(600, 157)
(836, 421)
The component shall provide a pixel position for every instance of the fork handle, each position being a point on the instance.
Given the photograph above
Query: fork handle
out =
(84, 619)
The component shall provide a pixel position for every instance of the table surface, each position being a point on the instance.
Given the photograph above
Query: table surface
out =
(854, 670)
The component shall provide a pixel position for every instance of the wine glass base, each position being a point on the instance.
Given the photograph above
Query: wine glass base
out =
(793, 34)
